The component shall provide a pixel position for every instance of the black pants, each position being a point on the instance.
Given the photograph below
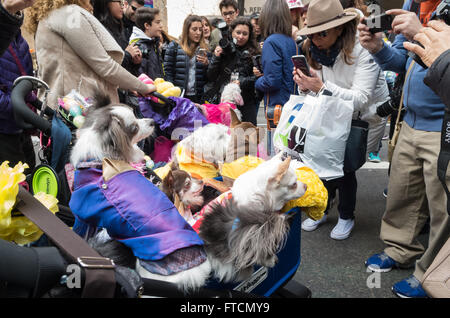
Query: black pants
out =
(249, 112)
(347, 186)
(15, 148)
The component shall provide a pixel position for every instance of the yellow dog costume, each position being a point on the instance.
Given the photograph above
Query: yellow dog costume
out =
(313, 202)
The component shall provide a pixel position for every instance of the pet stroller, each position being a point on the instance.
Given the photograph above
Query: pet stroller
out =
(42, 271)
(55, 143)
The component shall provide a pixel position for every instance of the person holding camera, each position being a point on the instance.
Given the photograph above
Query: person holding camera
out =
(341, 66)
(415, 192)
(146, 36)
(185, 64)
(235, 56)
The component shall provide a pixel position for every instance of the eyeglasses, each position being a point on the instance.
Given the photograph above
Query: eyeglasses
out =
(228, 13)
(322, 34)
(119, 1)
(133, 8)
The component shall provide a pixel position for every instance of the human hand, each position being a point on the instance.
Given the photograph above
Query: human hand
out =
(13, 6)
(218, 51)
(203, 59)
(405, 22)
(257, 72)
(135, 53)
(307, 83)
(150, 89)
(435, 39)
(371, 42)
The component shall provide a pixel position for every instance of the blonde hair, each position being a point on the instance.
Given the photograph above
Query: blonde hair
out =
(42, 8)
(186, 44)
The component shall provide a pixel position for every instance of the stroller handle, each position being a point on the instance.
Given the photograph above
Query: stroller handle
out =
(23, 115)
(165, 99)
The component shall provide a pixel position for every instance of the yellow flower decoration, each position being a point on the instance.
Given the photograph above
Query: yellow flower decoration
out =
(18, 229)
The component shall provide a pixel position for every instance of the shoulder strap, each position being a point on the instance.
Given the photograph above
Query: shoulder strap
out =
(403, 92)
(100, 279)
(17, 60)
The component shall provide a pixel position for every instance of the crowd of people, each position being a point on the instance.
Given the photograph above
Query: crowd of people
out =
(116, 41)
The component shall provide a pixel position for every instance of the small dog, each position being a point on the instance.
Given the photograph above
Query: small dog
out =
(220, 114)
(184, 191)
(247, 229)
(111, 131)
(134, 213)
(216, 143)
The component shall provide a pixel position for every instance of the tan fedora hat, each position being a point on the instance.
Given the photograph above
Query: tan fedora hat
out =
(324, 15)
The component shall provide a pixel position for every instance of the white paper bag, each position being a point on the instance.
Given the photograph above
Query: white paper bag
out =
(315, 130)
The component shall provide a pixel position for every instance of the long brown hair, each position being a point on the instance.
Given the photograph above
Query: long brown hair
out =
(186, 44)
(275, 18)
(346, 41)
(42, 8)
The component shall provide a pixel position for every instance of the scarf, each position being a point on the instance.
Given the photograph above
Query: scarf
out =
(325, 57)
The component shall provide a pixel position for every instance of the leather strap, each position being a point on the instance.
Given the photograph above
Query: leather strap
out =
(100, 275)
(19, 64)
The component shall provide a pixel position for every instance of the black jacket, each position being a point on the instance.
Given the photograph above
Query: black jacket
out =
(9, 26)
(152, 61)
(243, 64)
(118, 34)
(438, 77)
(176, 66)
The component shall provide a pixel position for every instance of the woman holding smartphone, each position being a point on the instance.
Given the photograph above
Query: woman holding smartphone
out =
(238, 59)
(185, 64)
(341, 66)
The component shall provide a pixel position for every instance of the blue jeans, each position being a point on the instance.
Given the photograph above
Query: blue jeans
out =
(347, 186)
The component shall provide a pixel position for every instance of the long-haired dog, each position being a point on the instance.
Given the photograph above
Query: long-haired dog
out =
(216, 143)
(220, 113)
(111, 131)
(248, 229)
(184, 191)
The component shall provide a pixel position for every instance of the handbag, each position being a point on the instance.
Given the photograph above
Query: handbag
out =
(356, 146)
(436, 281)
(398, 124)
(308, 131)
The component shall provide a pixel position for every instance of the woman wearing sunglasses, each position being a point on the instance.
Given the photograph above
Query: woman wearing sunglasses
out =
(341, 66)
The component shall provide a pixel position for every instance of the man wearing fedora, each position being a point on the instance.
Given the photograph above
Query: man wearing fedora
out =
(415, 192)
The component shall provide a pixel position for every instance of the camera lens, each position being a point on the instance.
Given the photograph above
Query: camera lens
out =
(385, 109)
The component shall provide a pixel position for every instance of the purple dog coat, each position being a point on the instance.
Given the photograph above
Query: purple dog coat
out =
(133, 210)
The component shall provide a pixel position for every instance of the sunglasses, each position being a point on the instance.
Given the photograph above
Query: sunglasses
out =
(133, 8)
(322, 34)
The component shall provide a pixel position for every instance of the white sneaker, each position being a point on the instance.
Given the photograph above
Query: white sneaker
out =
(342, 229)
(310, 225)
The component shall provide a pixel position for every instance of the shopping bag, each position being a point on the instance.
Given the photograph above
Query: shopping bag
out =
(315, 130)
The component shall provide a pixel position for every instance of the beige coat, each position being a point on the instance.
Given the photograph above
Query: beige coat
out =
(75, 51)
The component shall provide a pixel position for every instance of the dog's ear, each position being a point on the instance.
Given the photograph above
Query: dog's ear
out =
(100, 99)
(167, 183)
(118, 141)
(234, 119)
(282, 170)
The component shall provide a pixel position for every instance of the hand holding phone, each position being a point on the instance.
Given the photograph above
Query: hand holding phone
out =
(202, 52)
(301, 64)
(379, 23)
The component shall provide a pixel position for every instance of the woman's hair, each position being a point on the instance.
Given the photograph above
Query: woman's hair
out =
(208, 23)
(251, 45)
(103, 14)
(167, 38)
(275, 18)
(42, 8)
(186, 44)
(346, 42)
